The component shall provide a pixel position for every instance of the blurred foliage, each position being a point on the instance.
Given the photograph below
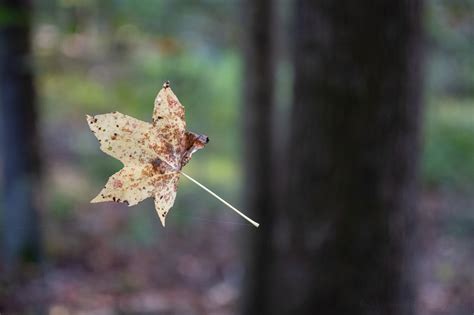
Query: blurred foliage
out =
(99, 56)
(450, 27)
(448, 158)
(95, 57)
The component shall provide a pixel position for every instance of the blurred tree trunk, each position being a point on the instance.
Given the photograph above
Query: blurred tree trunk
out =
(19, 137)
(258, 86)
(354, 150)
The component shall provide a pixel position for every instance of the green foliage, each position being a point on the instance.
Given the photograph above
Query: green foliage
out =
(141, 226)
(99, 56)
(62, 205)
(448, 157)
(105, 56)
(9, 16)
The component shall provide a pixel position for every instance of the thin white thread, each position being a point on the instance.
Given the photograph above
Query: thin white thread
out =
(220, 199)
(212, 193)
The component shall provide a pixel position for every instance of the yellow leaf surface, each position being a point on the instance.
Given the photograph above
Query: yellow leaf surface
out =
(152, 153)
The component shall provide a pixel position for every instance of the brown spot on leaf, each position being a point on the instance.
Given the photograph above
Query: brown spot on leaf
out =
(171, 101)
(117, 183)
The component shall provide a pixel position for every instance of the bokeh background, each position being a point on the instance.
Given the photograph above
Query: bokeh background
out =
(91, 57)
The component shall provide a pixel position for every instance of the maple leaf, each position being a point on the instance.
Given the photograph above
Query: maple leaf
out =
(153, 154)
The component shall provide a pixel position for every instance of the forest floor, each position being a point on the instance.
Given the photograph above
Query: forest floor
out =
(191, 270)
(196, 268)
(446, 278)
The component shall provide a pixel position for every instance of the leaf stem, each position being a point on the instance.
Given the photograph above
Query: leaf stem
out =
(220, 199)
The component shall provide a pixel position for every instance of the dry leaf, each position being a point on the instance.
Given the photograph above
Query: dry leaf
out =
(152, 154)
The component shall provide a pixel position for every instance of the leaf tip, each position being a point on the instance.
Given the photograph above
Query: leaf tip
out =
(162, 219)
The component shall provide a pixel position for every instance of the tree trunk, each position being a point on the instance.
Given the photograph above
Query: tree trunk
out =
(19, 133)
(258, 86)
(353, 152)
